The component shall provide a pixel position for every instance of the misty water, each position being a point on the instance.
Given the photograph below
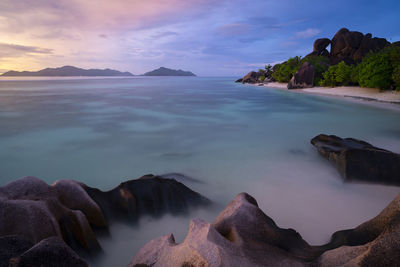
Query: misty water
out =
(231, 137)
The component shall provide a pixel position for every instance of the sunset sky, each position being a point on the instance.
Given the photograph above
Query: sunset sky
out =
(208, 37)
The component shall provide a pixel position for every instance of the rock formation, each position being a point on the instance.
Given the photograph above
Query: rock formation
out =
(303, 78)
(50, 211)
(320, 46)
(36, 217)
(348, 46)
(51, 251)
(373, 243)
(243, 235)
(251, 77)
(359, 160)
(148, 195)
(352, 46)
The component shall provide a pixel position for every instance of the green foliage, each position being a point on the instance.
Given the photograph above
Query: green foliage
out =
(283, 72)
(396, 77)
(268, 68)
(380, 70)
(343, 73)
(329, 76)
(261, 78)
(375, 71)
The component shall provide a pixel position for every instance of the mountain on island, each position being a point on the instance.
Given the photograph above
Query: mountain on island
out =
(168, 72)
(68, 71)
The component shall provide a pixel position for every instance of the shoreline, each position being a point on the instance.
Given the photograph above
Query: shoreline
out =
(386, 99)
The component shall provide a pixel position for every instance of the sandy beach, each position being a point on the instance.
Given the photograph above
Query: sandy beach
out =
(355, 92)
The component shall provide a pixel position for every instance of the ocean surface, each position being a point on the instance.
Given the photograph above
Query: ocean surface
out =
(231, 137)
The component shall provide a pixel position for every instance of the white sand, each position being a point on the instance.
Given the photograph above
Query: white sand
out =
(346, 91)
(357, 92)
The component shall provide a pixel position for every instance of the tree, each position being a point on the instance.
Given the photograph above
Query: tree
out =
(342, 73)
(283, 72)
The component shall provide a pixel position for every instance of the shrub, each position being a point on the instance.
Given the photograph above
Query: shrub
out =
(380, 70)
(329, 77)
(375, 71)
(342, 73)
(396, 77)
(261, 78)
(283, 72)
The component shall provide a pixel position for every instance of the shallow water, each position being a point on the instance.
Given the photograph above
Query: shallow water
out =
(232, 137)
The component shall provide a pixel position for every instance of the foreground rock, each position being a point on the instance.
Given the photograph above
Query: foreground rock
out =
(32, 211)
(243, 235)
(303, 78)
(49, 252)
(359, 160)
(373, 243)
(148, 195)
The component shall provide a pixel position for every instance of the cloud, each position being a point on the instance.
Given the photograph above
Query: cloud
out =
(308, 33)
(159, 35)
(15, 50)
(233, 29)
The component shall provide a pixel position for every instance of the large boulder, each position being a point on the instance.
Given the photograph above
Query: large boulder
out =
(242, 235)
(320, 46)
(303, 78)
(373, 243)
(12, 246)
(359, 160)
(32, 209)
(251, 77)
(148, 195)
(352, 46)
(49, 252)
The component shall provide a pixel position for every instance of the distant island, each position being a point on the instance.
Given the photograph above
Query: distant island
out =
(68, 71)
(168, 72)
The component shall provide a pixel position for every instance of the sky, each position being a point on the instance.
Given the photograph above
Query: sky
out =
(207, 37)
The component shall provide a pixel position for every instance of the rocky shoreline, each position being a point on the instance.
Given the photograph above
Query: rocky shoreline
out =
(63, 218)
(56, 225)
(348, 48)
(243, 235)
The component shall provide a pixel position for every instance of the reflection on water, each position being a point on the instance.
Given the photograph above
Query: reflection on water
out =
(231, 137)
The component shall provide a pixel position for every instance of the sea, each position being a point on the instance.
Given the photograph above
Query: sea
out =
(227, 137)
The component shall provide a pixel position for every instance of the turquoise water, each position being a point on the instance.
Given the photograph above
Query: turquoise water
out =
(230, 136)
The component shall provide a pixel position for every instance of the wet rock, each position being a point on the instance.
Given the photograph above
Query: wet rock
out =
(12, 246)
(31, 200)
(303, 78)
(49, 252)
(148, 195)
(239, 80)
(358, 160)
(251, 77)
(373, 243)
(72, 195)
(242, 235)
